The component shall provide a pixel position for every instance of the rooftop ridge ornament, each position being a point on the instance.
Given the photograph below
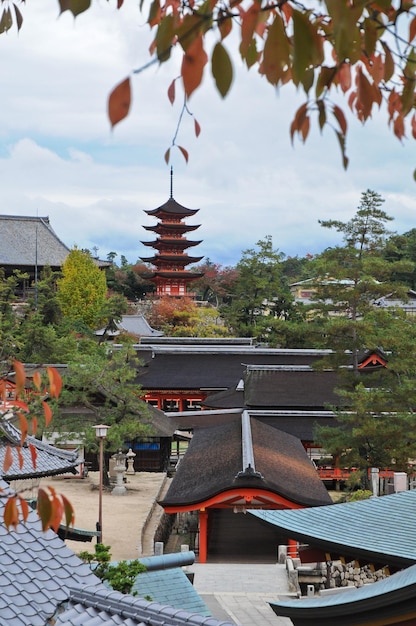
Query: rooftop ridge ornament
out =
(249, 468)
(171, 182)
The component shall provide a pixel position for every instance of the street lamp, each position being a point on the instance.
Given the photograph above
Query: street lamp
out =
(101, 433)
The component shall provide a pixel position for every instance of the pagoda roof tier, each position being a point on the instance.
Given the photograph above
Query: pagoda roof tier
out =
(171, 207)
(168, 243)
(172, 258)
(173, 274)
(168, 228)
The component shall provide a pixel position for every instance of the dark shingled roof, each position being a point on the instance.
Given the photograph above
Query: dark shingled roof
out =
(268, 386)
(377, 529)
(216, 368)
(174, 208)
(50, 461)
(23, 239)
(214, 458)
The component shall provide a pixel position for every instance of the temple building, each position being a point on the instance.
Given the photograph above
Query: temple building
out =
(170, 260)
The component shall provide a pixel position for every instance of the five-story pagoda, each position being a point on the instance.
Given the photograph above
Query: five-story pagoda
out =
(170, 260)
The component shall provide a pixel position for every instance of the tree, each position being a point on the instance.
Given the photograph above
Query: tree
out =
(359, 51)
(375, 427)
(259, 292)
(82, 289)
(352, 276)
(215, 284)
(104, 384)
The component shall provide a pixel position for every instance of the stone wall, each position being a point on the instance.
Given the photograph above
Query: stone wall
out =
(333, 574)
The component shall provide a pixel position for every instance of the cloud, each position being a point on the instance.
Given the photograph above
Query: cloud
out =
(60, 158)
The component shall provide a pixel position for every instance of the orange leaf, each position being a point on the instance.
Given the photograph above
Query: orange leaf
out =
(11, 515)
(412, 30)
(48, 413)
(20, 456)
(56, 513)
(413, 125)
(167, 155)
(37, 380)
(8, 459)
(55, 382)
(248, 25)
(197, 128)
(344, 76)
(193, 63)
(171, 91)
(398, 127)
(34, 425)
(184, 152)
(340, 117)
(21, 405)
(25, 508)
(69, 511)
(44, 508)
(33, 454)
(119, 102)
(23, 425)
(20, 376)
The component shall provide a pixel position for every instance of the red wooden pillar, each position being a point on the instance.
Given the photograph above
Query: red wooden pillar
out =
(203, 535)
(292, 548)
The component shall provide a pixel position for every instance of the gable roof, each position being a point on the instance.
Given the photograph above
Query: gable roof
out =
(50, 461)
(377, 529)
(25, 240)
(245, 454)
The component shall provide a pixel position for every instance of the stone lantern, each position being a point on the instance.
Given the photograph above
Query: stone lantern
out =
(130, 460)
(119, 468)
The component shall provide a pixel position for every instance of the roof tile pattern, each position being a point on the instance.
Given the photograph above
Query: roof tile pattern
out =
(104, 607)
(36, 570)
(50, 461)
(23, 240)
(377, 528)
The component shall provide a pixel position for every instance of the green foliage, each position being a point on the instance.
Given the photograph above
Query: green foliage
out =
(105, 384)
(82, 289)
(120, 576)
(259, 292)
(360, 494)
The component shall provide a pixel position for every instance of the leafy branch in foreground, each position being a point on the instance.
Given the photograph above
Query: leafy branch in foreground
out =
(358, 52)
(51, 507)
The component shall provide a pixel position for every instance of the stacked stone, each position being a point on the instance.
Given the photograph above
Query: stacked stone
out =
(351, 574)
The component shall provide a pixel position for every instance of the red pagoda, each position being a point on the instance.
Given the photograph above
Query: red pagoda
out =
(170, 260)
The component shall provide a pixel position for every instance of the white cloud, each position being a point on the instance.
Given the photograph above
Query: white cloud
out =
(59, 157)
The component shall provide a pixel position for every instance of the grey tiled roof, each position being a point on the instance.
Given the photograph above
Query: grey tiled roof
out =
(104, 607)
(41, 580)
(392, 596)
(170, 586)
(36, 570)
(378, 529)
(50, 461)
(133, 324)
(25, 239)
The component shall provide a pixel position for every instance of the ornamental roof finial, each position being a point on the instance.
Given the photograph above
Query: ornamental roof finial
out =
(171, 182)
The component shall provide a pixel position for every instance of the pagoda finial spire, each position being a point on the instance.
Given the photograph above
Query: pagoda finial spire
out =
(171, 181)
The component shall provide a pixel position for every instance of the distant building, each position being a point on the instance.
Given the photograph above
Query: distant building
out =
(170, 260)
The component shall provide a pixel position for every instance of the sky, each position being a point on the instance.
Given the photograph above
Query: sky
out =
(60, 158)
